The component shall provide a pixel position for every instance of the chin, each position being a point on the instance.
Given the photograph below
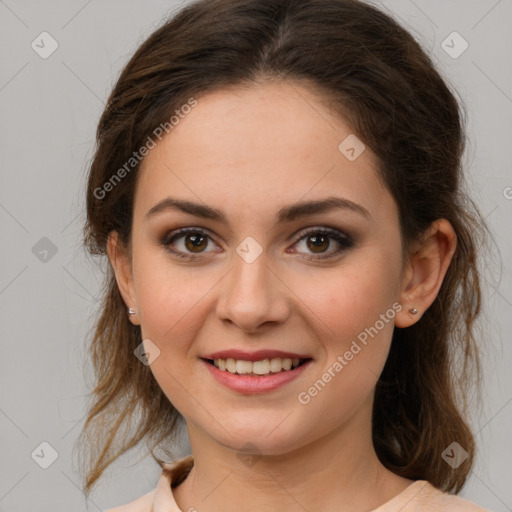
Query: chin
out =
(261, 437)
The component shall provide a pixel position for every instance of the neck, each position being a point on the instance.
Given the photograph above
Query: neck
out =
(337, 472)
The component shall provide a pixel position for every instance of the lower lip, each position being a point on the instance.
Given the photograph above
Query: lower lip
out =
(253, 385)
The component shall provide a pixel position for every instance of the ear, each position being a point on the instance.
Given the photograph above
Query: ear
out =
(427, 266)
(120, 261)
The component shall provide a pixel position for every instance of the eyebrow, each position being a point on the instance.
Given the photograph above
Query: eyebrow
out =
(285, 214)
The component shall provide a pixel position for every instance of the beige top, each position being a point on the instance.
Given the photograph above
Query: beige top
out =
(420, 496)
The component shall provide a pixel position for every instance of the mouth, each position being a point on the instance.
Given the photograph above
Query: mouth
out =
(262, 368)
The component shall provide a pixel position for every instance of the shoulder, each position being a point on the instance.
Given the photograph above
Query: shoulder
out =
(161, 498)
(141, 504)
(425, 497)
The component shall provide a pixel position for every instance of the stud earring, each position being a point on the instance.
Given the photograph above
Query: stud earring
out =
(413, 311)
(131, 311)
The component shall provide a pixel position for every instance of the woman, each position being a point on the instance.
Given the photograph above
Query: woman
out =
(292, 264)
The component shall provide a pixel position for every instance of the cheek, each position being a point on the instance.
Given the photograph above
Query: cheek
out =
(172, 311)
(347, 299)
(352, 308)
(174, 302)
(167, 295)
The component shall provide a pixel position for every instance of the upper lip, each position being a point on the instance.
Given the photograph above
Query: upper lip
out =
(259, 355)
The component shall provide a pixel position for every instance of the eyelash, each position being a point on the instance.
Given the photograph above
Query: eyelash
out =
(343, 240)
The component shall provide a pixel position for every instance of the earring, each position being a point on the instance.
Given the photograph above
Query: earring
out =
(131, 311)
(413, 311)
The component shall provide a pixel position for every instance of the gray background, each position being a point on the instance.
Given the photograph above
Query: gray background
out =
(49, 111)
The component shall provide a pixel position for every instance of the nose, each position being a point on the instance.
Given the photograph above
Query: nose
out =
(252, 296)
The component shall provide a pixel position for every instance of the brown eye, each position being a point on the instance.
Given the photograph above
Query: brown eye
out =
(187, 243)
(192, 243)
(195, 242)
(319, 240)
(318, 243)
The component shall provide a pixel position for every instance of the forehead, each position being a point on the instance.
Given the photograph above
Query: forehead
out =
(258, 148)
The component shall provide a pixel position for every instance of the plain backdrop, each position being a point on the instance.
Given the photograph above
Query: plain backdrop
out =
(50, 106)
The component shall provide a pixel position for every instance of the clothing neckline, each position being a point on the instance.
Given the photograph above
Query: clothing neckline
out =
(173, 474)
(401, 499)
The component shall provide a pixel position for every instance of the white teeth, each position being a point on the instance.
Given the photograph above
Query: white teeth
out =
(260, 367)
(230, 365)
(276, 365)
(263, 367)
(243, 367)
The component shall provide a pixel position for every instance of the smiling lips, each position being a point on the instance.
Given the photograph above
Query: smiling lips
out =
(258, 355)
(262, 362)
(263, 367)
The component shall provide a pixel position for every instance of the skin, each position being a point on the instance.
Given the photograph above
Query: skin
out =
(249, 152)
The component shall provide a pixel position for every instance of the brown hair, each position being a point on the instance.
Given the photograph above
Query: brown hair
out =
(372, 72)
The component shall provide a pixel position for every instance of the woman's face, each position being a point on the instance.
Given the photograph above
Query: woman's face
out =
(259, 276)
